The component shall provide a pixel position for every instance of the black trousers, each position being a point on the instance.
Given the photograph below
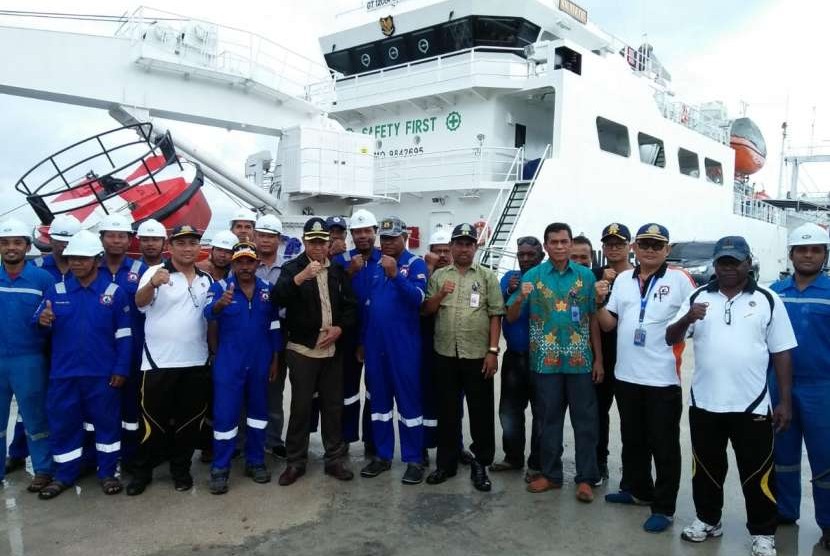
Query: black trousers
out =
(173, 403)
(752, 438)
(605, 399)
(309, 375)
(516, 394)
(452, 376)
(650, 427)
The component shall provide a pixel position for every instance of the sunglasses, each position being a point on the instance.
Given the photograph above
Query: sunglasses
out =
(651, 244)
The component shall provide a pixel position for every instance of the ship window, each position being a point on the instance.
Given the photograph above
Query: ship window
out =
(365, 58)
(714, 170)
(528, 33)
(457, 35)
(688, 162)
(496, 31)
(613, 137)
(422, 44)
(394, 51)
(652, 151)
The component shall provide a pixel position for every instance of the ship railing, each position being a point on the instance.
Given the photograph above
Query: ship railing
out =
(505, 259)
(750, 207)
(247, 57)
(459, 169)
(692, 117)
(504, 191)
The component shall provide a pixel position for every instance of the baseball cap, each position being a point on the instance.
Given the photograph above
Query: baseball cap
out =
(185, 230)
(620, 231)
(336, 222)
(653, 231)
(315, 228)
(732, 246)
(464, 231)
(392, 227)
(244, 249)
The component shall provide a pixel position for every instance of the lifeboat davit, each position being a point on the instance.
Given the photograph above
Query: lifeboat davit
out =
(749, 145)
(124, 170)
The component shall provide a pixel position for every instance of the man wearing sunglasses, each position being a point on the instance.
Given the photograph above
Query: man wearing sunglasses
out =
(648, 392)
(738, 326)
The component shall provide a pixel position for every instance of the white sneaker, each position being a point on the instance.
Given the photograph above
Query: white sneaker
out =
(763, 545)
(699, 531)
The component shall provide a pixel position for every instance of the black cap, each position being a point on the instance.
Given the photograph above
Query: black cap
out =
(315, 228)
(614, 229)
(464, 231)
(185, 230)
(336, 222)
(732, 246)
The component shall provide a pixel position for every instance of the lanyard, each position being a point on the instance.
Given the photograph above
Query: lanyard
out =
(644, 300)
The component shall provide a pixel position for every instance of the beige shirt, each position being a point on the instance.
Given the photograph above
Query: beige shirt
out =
(325, 305)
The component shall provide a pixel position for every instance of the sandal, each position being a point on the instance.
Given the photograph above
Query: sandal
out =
(52, 490)
(39, 482)
(111, 485)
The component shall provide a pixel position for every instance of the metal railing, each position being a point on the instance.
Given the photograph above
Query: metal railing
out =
(750, 207)
(692, 117)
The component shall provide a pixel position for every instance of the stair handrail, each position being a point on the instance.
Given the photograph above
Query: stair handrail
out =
(518, 163)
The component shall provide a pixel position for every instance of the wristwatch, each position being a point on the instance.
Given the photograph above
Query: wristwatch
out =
(493, 350)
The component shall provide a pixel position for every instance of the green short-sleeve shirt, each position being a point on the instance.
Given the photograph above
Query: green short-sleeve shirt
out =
(462, 330)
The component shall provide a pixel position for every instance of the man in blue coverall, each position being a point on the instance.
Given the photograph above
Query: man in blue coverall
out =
(391, 340)
(806, 295)
(23, 368)
(246, 360)
(89, 319)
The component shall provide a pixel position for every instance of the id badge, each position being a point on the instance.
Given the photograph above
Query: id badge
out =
(575, 316)
(475, 300)
(640, 337)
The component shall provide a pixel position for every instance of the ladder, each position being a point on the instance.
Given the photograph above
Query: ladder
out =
(501, 232)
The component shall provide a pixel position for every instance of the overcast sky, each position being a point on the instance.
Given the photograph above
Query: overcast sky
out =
(769, 54)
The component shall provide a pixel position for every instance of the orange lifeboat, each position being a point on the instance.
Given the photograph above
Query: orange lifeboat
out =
(749, 146)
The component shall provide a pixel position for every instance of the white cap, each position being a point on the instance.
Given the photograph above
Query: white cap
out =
(15, 228)
(224, 239)
(809, 234)
(243, 214)
(151, 228)
(268, 224)
(64, 226)
(362, 218)
(84, 244)
(115, 222)
(439, 237)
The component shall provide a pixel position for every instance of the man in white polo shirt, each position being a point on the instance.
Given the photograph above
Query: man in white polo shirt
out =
(737, 325)
(175, 379)
(642, 304)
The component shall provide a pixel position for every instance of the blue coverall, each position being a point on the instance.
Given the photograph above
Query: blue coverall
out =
(48, 264)
(249, 334)
(23, 365)
(91, 341)
(809, 312)
(391, 336)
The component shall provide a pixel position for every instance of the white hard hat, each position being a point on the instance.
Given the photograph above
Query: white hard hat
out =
(809, 234)
(439, 237)
(115, 222)
(243, 214)
(224, 239)
(268, 224)
(151, 228)
(362, 218)
(84, 244)
(15, 228)
(64, 226)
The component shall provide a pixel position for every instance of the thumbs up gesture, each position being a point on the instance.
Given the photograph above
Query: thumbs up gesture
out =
(47, 316)
(227, 297)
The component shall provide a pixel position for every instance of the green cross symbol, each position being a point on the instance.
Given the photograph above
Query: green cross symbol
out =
(453, 121)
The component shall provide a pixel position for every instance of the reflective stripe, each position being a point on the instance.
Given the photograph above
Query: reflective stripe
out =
(123, 333)
(423, 295)
(60, 287)
(256, 423)
(68, 456)
(129, 426)
(39, 436)
(382, 416)
(108, 448)
(135, 267)
(817, 300)
(224, 284)
(111, 289)
(416, 422)
(38, 262)
(225, 435)
(368, 396)
(788, 468)
(275, 325)
(20, 290)
(352, 399)
(89, 427)
(430, 422)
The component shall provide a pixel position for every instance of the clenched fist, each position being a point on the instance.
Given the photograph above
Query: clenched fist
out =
(601, 290)
(696, 312)
(162, 276)
(390, 266)
(447, 288)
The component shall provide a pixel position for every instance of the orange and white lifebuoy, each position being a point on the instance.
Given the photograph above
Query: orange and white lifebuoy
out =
(482, 231)
(684, 114)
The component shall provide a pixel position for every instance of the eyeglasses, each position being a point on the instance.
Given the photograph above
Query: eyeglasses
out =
(193, 297)
(651, 244)
(614, 244)
(727, 311)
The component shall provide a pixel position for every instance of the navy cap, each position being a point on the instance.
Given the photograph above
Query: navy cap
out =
(392, 227)
(185, 230)
(653, 231)
(315, 228)
(336, 222)
(732, 246)
(464, 231)
(616, 230)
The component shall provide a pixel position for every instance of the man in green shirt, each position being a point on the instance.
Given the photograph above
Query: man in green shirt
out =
(565, 354)
(466, 299)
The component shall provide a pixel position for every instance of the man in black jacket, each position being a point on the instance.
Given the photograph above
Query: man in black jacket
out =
(319, 304)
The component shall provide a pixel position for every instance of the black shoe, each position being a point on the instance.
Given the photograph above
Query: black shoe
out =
(478, 474)
(13, 464)
(183, 482)
(259, 473)
(137, 486)
(439, 476)
(279, 452)
(466, 457)
(218, 481)
(414, 474)
(339, 471)
(375, 468)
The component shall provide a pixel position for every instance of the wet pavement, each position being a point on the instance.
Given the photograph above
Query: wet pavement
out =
(368, 517)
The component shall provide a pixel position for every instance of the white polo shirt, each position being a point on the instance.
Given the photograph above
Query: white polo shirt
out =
(175, 330)
(732, 347)
(655, 363)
